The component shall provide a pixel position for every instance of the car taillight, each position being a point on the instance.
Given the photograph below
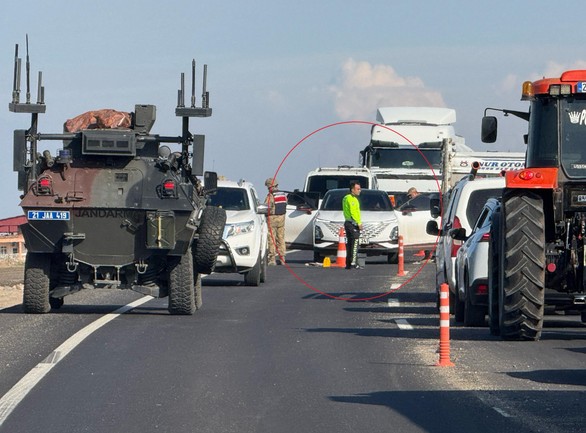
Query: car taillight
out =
(168, 189)
(456, 244)
(44, 186)
(482, 289)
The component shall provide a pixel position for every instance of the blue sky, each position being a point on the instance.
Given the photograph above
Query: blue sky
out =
(280, 70)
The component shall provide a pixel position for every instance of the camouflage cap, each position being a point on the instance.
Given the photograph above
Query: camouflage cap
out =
(270, 182)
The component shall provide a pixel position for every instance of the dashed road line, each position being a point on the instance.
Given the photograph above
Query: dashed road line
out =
(403, 324)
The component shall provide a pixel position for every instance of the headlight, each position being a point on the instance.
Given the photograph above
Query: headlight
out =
(395, 233)
(318, 233)
(238, 229)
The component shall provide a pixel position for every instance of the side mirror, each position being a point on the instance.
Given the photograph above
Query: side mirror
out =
(432, 229)
(262, 209)
(434, 207)
(489, 129)
(458, 234)
(304, 208)
(210, 180)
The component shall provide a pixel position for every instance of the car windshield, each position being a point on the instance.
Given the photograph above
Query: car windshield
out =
(412, 159)
(370, 200)
(229, 199)
(322, 184)
(477, 200)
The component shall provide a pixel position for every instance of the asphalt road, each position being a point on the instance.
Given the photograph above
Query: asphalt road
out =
(311, 350)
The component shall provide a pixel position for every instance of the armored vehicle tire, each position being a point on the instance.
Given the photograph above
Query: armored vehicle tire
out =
(37, 269)
(181, 285)
(473, 314)
(211, 227)
(198, 294)
(522, 292)
(252, 277)
(393, 258)
(317, 257)
(263, 268)
(493, 275)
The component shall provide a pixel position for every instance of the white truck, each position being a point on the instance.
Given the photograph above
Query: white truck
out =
(301, 205)
(405, 148)
(418, 147)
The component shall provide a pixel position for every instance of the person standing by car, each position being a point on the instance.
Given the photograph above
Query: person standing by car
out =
(277, 203)
(411, 194)
(352, 223)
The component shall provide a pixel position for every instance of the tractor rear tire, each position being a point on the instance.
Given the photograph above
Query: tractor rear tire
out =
(522, 292)
(207, 246)
(181, 285)
(35, 295)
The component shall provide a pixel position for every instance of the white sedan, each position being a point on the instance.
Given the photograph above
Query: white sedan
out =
(380, 231)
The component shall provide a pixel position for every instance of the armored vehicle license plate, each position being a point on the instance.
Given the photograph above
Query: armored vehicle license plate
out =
(57, 215)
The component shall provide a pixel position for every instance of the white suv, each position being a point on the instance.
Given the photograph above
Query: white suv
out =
(464, 204)
(244, 242)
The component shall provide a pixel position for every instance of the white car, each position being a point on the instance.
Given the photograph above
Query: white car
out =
(244, 242)
(464, 204)
(380, 230)
(413, 216)
(302, 205)
(472, 268)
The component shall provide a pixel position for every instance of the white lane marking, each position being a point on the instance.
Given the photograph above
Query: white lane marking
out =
(17, 393)
(393, 302)
(403, 324)
(502, 412)
(395, 286)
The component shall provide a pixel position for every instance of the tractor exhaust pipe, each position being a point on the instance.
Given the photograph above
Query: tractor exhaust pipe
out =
(474, 170)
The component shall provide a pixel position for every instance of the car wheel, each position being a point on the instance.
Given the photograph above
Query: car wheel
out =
(473, 314)
(263, 268)
(252, 277)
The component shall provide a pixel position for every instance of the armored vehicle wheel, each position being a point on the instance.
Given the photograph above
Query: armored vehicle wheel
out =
(198, 294)
(37, 269)
(206, 248)
(181, 285)
(263, 268)
(493, 274)
(522, 292)
(252, 277)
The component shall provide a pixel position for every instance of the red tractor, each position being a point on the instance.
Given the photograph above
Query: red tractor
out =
(537, 240)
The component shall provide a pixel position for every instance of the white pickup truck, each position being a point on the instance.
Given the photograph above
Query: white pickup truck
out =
(302, 205)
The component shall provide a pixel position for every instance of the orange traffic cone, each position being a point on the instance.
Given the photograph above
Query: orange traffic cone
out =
(341, 257)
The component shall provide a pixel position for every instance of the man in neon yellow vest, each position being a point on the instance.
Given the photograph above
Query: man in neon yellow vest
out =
(352, 223)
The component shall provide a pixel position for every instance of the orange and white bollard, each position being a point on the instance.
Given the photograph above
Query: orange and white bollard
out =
(401, 270)
(444, 345)
(341, 255)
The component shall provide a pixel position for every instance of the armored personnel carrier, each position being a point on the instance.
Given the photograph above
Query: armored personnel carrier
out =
(116, 207)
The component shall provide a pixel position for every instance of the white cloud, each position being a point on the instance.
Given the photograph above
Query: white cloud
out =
(363, 87)
(555, 69)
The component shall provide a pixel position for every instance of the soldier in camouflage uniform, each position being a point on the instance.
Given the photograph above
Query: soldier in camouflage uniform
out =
(277, 203)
